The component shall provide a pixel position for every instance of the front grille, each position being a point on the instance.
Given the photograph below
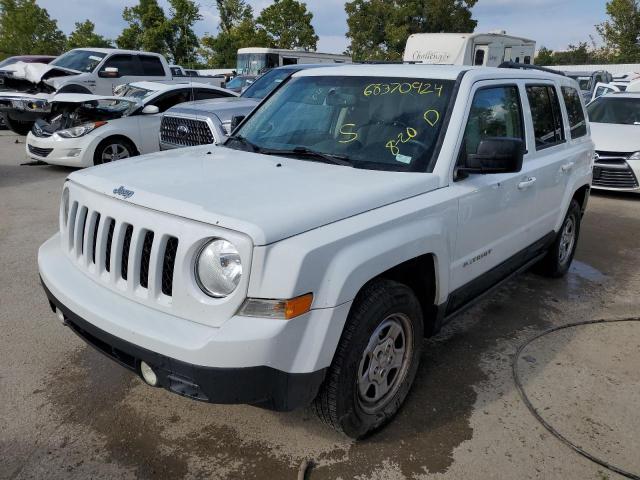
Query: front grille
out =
(185, 132)
(614, 175)
(103, 244)
(40, 152)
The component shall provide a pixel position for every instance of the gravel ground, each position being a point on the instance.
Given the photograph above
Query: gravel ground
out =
(68, 412)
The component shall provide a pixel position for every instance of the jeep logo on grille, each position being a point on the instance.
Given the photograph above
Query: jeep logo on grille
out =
(123, 192)
(182, 130)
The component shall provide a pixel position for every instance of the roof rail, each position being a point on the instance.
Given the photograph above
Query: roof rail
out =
(526, 66)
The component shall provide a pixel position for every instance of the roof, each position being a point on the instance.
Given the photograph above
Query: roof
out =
(444, 72)
(473, 35)
(621, 95)
(117, 50)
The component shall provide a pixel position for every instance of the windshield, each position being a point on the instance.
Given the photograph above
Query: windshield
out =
(132, 91)
(264, 85)
(256, 63)
(376, 123)
(621, 111)
(584, 82)
(81, 60)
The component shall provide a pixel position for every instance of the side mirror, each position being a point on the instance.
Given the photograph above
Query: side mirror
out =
(109, 72)
(495, 155)
(236, 120)
(150, 110)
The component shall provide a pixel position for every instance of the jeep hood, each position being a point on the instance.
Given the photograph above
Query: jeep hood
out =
(36, 72)
(266, 197)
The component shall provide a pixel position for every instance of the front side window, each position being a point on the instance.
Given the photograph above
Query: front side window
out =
(80, 60)
(125, 64)
(546, 116)
(575, 113)
(495, 113)
(370, 122)
(614, 109)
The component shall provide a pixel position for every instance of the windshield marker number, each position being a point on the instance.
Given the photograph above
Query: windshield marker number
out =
(392, 145)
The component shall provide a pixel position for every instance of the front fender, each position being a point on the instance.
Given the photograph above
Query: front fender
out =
(335, 261)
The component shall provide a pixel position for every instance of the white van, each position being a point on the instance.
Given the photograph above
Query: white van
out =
(481, 49)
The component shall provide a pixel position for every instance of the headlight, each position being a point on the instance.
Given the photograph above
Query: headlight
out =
(635, 156)
(80, 130)
(65, 205)
(31, 105)
(218, 268)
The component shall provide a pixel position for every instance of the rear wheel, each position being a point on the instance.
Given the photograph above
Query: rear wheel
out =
(558, 259)
(113, 149)
(21, 127)
(376, 360)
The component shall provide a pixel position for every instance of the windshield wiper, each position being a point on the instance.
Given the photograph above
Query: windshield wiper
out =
(318, 156)
(243, 141)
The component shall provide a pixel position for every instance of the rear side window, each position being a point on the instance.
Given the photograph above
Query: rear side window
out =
(495, 112)
(546, 116)
(201, 94)
(151, 66)
(575, 113)
(168, 100)
(126, 64)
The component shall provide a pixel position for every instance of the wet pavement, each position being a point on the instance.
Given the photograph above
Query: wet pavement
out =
(68, 412)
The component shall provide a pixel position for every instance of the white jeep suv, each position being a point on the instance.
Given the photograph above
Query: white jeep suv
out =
(354, 212)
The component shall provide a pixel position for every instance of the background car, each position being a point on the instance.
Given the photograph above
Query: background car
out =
(615, 130)
(210, 121)
(84, 130)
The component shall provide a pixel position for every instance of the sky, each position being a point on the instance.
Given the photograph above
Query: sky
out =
(552, 23)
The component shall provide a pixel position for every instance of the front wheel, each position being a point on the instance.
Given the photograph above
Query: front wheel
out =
(558, 259)
(376, 360)
(113, 149)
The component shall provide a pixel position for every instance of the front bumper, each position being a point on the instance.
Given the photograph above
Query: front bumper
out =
(260, 386)
(76, 152)
(623, 176)
(272, 363)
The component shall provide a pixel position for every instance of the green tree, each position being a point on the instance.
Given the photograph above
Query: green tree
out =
(288, 24)
(184, 44)
(85, 36)
(26, 28)
(232, 13)
(545, 56)
(621, 33)
(148, 28)
(378, 29)
(237, 29)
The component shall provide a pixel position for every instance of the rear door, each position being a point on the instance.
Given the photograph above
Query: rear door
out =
(554, 153)
(494, 209)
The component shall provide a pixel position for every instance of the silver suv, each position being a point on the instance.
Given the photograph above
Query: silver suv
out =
(211, 121)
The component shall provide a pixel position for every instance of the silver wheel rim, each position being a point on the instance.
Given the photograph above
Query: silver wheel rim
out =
(384, 363)
(567, 240)
(113, 152)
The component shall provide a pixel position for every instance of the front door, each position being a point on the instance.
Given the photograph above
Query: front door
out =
(494, 209)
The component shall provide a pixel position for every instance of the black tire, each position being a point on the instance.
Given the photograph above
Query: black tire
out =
(558, 259)
(107, 143)
(339, 403)
(20, 127)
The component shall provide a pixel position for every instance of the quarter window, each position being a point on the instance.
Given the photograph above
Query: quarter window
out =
(575, 113)
(546, 116)
(495, 113)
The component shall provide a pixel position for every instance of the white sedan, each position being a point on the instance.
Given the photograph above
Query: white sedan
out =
(615, 129)
(84, 130)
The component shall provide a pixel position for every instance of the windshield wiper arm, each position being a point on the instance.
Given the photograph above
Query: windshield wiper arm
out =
(242, 140)
(306, 152)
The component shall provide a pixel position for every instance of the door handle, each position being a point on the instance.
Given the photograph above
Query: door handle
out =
(567, 166)
(526, 183)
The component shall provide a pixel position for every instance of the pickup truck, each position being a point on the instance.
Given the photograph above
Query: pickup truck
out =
(28, 86)
(356, 210)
